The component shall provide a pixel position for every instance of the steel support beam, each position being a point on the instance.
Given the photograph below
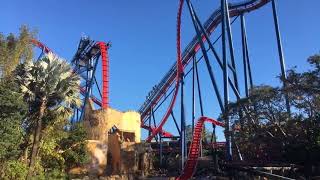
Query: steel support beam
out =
(97, 85)
(231, 49)
(150, 123)
(247, 52)
(206, 58)
(154, 124)
(225, 22)
(175, 122)
(209, 41)
(89, 83)
(249, 66)
(234, 85)
(199, 90)
(194, 61)
(244, 55)
(280, 51)
(161, 153)
(183, 125)
(200, 97)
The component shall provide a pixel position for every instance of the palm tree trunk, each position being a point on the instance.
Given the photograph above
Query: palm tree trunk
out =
(36, 140)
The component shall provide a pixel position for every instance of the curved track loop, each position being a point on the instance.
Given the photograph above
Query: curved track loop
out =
(105, 71)
(192, 48)
(179, 74)
(210, 25)
(194, 149)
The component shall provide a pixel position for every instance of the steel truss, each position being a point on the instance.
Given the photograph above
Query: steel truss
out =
(85, 62)
(202, 44)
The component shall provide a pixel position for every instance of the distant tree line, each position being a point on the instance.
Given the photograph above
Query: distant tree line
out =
(269, 133)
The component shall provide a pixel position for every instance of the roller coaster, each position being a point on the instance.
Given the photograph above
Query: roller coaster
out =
(89, 53)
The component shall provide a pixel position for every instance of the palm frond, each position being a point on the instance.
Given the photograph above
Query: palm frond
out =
(49, 78)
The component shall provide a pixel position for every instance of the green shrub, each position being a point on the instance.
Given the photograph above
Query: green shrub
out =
(55, 174)
(13, 169)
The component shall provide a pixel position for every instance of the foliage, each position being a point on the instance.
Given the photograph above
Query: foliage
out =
(14, 50)
(12, 112)
(55, 174)
(51, 89)
(74, 147)
(13, 169)
(268, 132)
(54, 132)
(49, 83)
(49, 79)
(63, 149)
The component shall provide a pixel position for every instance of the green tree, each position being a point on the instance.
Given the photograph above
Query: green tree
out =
(13, 169)
(269, 133)
(12, 113)
(62, 149)
(48, 85)
(15, 50)
(73, 147)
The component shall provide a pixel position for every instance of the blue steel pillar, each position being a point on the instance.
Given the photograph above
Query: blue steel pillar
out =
(150, 130)
(244, 56)
(183, 125)
(89, 83)
(161, 149)
(225, 21)
(205, 56)
(246, 49)
(194, 62)
(280, 51)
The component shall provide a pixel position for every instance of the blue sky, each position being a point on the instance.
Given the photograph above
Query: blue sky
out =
(143, 37)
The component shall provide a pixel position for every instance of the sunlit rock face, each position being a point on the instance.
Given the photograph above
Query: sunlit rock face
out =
(98, 153)
(111, 133)
(99, 122)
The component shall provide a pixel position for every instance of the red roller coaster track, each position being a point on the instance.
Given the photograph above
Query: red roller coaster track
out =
(40, 45)
(105, 74)
(194, 149)
(182, 61)
(178, 76)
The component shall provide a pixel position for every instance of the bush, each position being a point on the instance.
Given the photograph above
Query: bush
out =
(55, 174)
(13, 169)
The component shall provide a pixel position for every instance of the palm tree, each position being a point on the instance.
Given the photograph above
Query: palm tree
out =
(47, 85)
